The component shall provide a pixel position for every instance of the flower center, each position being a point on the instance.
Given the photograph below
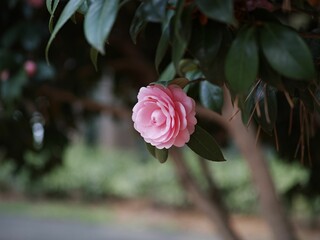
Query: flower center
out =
(157, 118)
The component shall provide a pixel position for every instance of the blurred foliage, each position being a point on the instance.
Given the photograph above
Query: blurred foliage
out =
(34, 117)
(95, 173)
(268, 57)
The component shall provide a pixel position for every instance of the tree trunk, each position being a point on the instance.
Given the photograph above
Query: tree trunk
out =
(212, 206)
(245, 140)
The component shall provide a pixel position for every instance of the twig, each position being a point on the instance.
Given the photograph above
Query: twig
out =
(291, 104)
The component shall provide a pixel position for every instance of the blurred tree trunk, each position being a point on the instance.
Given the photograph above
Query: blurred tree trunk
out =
(211, 204)
(245, 140)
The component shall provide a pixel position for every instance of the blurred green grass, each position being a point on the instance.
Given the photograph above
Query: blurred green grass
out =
(96, 173)
(58, 210)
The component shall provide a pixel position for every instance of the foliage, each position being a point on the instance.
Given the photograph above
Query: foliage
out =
(234, 43)
(33, 116)
(265, 53)
(91, 174)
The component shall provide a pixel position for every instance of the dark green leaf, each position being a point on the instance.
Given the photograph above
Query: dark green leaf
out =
(98, 22)
(66, 14)
(138, 23)
(202, 143)
(12, 88)
(178, 49)
(246, 107)
(162, 47)
(209, 45)
(148, 11)
(164, 39)
(53, 10)
(94, 57)
(221, 10)
(211, 96)
(160, 154)
(49, 5)
(168, 74)
(83, 9)
(242, 60)
(153, 10)
(286, 52)
(182, 27)
(266, 97)
(269, 75)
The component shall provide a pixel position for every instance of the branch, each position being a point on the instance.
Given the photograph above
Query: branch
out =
(211, 116)
(59, 95)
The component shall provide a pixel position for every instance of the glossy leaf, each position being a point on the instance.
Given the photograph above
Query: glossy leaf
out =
(160, 154)
(168, 74)
(83, 9)
(242, 61)
(221, 10)
(137, 24)
(49, 5)
(269, 75)
(153, 10)
(164, 39)
(286, 52)
(203, 144)
(94, 57)
(266, 97)
(52, 12)
(183, 28)
(66, 14)
(211, 96)
(162, 47)
(209, 45)
(98, 22)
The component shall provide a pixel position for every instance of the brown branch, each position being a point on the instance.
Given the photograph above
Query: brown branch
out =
(59, 95)
(211, 115)
(211, 207)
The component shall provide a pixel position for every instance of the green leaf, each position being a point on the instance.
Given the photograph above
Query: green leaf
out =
(98, 22)
(11, 89)
(221, 10)
(162, 47)
(183, 27)
(49, 5)
(94, 57)
(153, 10)
(83, 9)
(269, 75)
(202, 143)
(211, 96)
(209, 45)
(242, 60)
(138, 23)
(66, 14)
(53, 10)
(266, 97)
(168, 74)
(286, 52)
(160, 154)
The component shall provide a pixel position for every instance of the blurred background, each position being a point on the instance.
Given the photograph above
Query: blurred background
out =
(72, 166)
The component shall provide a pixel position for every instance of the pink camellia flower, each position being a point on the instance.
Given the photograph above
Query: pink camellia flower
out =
(30, 67)
(36, 3)
(164, 116)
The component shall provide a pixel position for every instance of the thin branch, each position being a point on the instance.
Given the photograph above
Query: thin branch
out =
(60, 95)
(291, 104)
(211, 115)
(276, 138)
(266, 108)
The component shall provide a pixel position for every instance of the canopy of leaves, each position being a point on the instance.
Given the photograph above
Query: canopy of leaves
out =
(256, 49)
